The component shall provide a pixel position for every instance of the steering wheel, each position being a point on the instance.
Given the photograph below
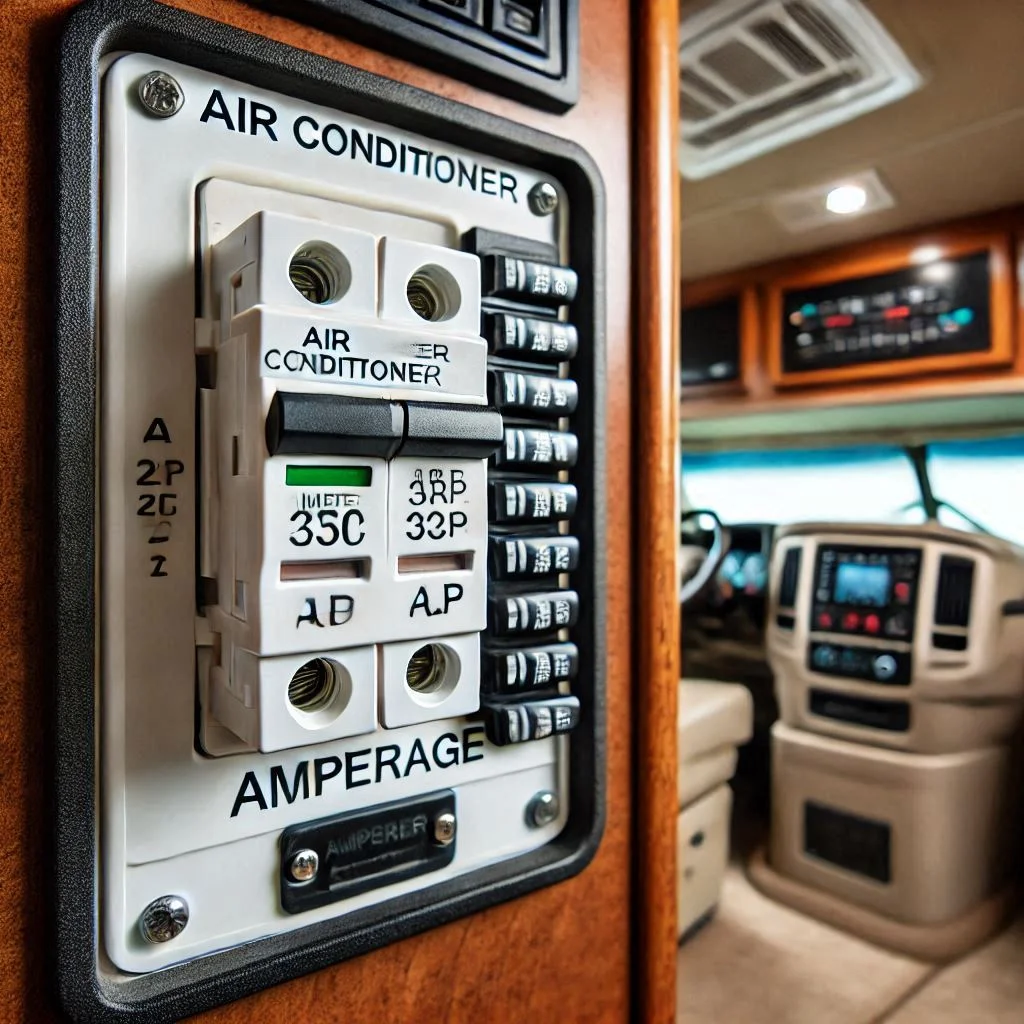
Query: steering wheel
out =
(697, 566)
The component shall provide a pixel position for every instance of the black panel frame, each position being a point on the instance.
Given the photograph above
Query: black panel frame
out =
(105, 27)
(449, 46)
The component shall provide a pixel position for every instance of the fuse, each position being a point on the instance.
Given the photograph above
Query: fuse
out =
(528, 280)
(527, 447)
(530, 668)
(515, 558)
(542, 340)
(513, 614)
(532, 394)
(530, 720)
(536, 502)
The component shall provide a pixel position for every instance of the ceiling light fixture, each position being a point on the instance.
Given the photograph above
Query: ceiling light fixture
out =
(856, 194)
(938, 273)
(846, 199)
(926, 254)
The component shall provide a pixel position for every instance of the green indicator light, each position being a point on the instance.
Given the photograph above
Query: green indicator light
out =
(963, 316)
(328, 476)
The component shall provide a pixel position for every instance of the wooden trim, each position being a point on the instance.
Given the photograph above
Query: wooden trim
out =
(1003, 220)
(497, 966)
(751, 378)
(656, 405)
(1017, 305)
(996, 372)
(888, 258)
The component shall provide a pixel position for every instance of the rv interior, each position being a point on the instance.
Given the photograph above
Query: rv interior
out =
(851, 545)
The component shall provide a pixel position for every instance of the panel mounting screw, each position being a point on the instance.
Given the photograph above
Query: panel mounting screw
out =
(164, 919)
(304, 866)
(160, 94)
(543, 198)
(542, 809)
(444, 828)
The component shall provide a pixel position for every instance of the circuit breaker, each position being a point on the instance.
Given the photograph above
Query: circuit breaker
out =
(345, 519)
(346, 670)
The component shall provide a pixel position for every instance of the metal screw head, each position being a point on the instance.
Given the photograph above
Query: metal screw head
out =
(304, 866)
(444, 828)
(160, 94)
(164, 919)
(542, 809)
(543, 198)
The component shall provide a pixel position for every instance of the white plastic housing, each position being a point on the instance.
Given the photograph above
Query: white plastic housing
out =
(251, 266)
(171, 818)
(255, 705)
(458, 691)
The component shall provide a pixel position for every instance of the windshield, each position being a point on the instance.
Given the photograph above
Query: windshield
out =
(983, 479)
(861, 484)
(977, 484)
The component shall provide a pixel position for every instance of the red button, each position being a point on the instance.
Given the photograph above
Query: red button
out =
(872, 623)
(825, 620)
(851, 620)
(902, 591)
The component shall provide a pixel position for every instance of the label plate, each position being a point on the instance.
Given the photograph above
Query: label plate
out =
(362, 851)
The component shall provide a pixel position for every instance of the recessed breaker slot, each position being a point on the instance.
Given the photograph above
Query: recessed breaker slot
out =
(347, 497)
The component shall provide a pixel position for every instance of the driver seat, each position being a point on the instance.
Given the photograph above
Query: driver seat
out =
(714, 720)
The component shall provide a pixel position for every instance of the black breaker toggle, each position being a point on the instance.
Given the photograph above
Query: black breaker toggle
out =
(309, 424)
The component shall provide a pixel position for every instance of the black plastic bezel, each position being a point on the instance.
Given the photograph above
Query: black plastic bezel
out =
(106, 27)
(452, 47)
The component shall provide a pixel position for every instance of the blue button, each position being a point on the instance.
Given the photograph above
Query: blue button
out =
(885, 666)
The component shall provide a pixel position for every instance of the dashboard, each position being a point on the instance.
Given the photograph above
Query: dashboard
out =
(723, 634)
(744, 571)
(898, 635)
(738, 595)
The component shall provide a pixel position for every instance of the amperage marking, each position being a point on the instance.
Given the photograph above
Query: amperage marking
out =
(358, 768)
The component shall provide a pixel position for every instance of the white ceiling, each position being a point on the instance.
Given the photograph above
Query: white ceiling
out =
(954, 147)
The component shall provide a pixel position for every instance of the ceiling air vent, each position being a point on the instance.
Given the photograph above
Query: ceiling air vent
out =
(953, 595)
(758, 74)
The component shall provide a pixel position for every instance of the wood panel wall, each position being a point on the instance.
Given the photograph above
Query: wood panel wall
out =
(656, 588)
(561, 954)
(762, 388)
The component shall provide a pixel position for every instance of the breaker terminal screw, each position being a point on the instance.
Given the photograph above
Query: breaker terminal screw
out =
(304, 866)
(543, 198)
(444, 828)
(164, 919)
(160, 94)
(542, 809)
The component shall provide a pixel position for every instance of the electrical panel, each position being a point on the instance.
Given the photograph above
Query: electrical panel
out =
(347, 661)
(525, 49)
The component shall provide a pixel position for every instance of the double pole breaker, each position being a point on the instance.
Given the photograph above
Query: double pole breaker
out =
(349, 662)
(344, 484)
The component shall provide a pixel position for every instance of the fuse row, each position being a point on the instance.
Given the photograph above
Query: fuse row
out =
(520, 682)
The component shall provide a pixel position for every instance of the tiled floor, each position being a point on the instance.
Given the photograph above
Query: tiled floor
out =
(758, 962)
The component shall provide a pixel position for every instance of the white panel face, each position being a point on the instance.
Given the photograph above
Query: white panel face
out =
(299, 683)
